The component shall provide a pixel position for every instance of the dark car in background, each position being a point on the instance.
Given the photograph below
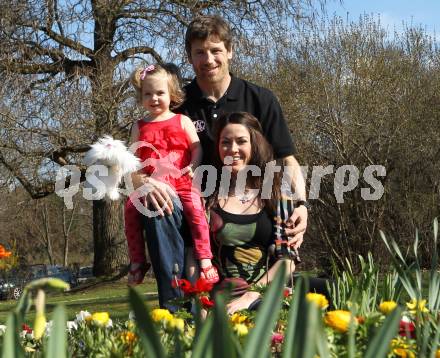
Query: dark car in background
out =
(13, 282)
(85, 274)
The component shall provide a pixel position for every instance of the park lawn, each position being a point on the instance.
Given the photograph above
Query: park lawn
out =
(111, 297)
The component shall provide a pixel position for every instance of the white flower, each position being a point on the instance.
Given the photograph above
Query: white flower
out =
(406, 319)
(81, 316)
(71, 325)
(2, 329)
(25, 335)
(131, 316)
(109, 323)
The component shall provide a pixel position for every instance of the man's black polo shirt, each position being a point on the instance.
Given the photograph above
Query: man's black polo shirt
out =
(242, 96)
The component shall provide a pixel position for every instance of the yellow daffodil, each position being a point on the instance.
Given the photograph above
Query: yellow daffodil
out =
(238, 318)
(386, 307)
(415, 306)
(160, 314)
(339, 320)
(403, 353)
(241, 329)
(99, 318)
(176, 323)
(402, 348)
(318, 299)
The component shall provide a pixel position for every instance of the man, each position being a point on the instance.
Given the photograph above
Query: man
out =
(214, 90)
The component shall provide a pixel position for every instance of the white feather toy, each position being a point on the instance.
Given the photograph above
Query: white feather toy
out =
(113, 154)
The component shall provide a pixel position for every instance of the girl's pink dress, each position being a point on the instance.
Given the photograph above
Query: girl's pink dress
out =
(165, 153)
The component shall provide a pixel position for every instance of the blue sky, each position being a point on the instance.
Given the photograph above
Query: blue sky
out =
(425, 13)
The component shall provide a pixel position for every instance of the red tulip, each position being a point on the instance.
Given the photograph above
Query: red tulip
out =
(184, 285)
(407, 328)
(277, 338)
(203, 285)
(26, 328)
(206, 302)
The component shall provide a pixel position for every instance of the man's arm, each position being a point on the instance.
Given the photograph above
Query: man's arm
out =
(297, 223)
(195, 146)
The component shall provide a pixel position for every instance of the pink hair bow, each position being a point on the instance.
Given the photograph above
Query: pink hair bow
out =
(146, 70)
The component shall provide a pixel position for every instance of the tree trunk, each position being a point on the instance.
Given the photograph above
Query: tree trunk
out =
(66, 232)
(46, 233)
(110, 248)
(66, 251)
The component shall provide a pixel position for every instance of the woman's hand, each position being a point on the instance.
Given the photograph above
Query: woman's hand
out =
(296, 226)
(243, 302)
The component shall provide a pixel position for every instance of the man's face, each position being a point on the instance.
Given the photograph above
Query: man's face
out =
(210, 59)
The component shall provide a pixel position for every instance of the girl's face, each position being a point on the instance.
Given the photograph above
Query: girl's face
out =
(235, 146)
(156, 94)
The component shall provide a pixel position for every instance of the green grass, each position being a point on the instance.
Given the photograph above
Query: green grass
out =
(94, 297)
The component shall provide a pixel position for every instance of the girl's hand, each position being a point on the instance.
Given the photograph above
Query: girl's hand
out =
(243, 302)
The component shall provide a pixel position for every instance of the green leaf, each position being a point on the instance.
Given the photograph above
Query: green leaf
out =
(290, 333)
(23, 305)
(203, 347)
(435, 341)
(57, 344)
(198, 321)
(380, 344)
(402, 269)
(424, 337)
(222, 340)
(11, 343)
(352, 333)
(304, 334)
(178, 351)
(434, 279)
(257, 343)
(147, 331)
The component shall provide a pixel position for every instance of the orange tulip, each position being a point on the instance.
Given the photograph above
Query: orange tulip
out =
(4, 253)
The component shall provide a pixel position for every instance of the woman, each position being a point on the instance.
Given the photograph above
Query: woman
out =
(242, 213)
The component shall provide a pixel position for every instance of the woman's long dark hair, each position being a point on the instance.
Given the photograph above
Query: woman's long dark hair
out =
(261, 154)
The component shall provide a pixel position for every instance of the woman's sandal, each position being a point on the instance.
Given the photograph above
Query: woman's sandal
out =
(214, 278)
(136, 276)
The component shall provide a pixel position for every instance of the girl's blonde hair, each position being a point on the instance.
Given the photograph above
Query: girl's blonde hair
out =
(177, 95)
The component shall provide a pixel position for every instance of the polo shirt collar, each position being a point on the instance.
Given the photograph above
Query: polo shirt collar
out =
(232, 93)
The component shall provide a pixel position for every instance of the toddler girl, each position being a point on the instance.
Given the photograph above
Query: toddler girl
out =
(170, 150)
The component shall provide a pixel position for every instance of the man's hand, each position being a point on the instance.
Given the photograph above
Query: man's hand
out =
(296, 226)
(158, 196)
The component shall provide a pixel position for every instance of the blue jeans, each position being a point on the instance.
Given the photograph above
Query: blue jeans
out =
(166, 237)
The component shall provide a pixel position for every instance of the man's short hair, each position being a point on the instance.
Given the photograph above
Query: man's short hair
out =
(202, 27)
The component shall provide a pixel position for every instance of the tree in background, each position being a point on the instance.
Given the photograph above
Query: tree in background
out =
(357, 95)
(64, 66)
(44, 230)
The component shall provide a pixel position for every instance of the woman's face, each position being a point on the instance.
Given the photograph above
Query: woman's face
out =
(235, 146)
